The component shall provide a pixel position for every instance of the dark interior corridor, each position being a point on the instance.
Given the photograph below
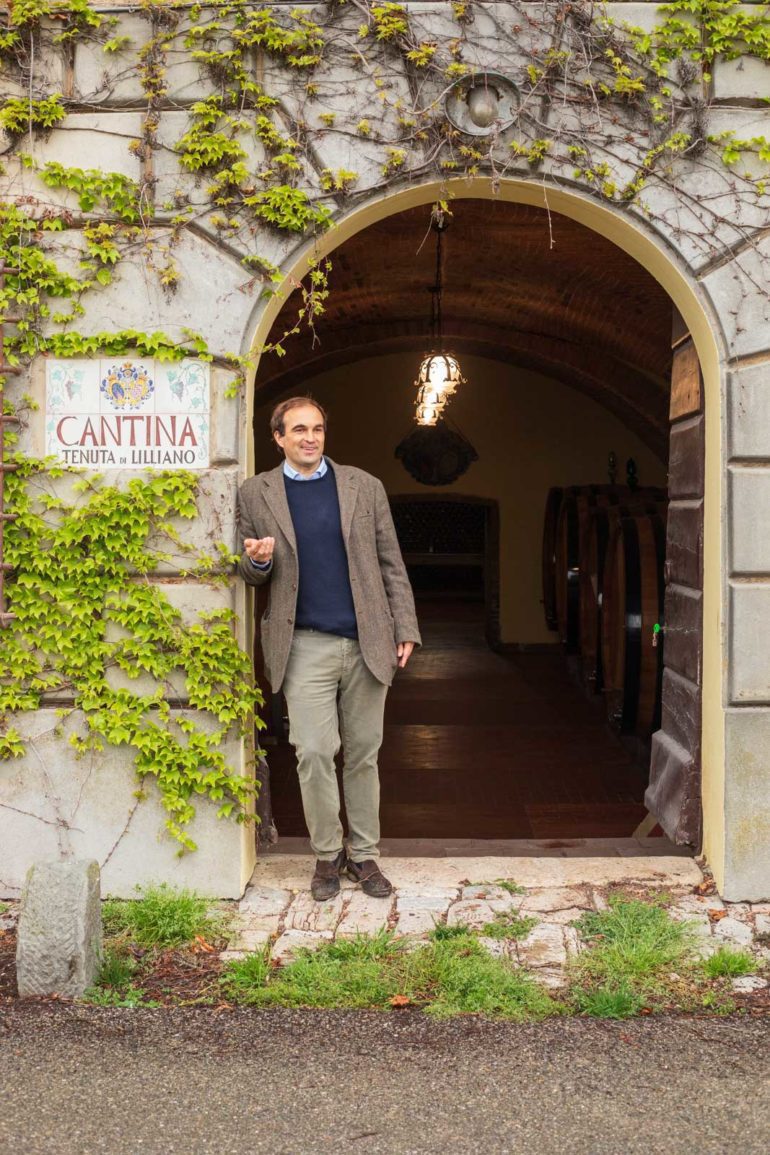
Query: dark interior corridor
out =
(481, 745)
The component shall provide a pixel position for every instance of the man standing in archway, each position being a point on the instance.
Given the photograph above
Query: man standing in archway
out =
(340, 620)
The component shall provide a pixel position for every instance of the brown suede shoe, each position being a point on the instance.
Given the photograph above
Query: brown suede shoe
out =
(325, 882)
(373, 881)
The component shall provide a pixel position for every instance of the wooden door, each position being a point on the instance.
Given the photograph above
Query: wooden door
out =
(674, 792)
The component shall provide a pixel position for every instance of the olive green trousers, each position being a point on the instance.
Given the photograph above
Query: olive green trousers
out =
(334, 700)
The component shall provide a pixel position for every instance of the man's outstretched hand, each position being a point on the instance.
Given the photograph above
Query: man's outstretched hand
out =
(259, 549)
(404, 651)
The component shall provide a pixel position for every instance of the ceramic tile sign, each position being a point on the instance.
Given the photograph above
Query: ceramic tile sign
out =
(124, 413)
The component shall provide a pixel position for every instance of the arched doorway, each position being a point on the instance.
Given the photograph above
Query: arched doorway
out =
(562, 303)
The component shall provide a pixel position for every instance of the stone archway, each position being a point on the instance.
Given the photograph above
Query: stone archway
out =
(618, 235)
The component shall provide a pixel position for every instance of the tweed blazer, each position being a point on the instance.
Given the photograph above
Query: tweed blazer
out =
(382, 595)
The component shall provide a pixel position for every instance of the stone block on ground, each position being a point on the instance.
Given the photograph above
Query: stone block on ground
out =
(762, 924)
(543, 947)
(547, 899)
(497, 947)
(264, 901)
(287, 946)
(733, 932)
(305, 914)
(699, 924)
(473, 913)
(364, 915)
(563, 917)
(747, 984)
(417, 914)
(498, 897)
(250, 939)
(59, 942)
(572, 941)
(552, 977)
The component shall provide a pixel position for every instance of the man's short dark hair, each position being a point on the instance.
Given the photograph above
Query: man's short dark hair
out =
(277, 418)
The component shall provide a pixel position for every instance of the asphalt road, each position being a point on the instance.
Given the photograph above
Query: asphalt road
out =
(87, 1080)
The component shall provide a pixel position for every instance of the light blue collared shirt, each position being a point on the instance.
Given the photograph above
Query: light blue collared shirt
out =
(294, 475)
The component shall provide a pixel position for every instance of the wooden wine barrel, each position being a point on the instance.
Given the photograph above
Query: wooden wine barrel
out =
(552, 506)
(577, 506)
(632, 603)
(603, 519)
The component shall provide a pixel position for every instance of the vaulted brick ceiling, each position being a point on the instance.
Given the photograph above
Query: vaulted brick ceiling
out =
(542, 292)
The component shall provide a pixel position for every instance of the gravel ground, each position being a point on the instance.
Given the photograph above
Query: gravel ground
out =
(85, 1080)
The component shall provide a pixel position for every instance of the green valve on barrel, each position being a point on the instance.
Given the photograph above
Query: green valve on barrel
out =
(655, 631)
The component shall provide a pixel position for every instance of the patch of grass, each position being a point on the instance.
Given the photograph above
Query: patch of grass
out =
(457, 976)
(117, 970)
(243, 979)
(130, 996)
(164, 916)
(382, 945)
(611, 1001)
(634, 950)
(509, 885)
(509, 926)
(451, 974)
(4, 907)
(729, 963)
(632, 939)
(441, 932)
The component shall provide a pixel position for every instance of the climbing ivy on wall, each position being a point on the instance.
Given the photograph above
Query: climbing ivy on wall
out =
(615, 108)
(86, 611)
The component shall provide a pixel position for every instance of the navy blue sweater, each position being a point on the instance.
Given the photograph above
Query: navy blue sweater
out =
(324, 597)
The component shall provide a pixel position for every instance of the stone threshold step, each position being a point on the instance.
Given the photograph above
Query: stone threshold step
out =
(293, 871)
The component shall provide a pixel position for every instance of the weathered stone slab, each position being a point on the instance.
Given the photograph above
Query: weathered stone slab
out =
(687, 904)
(552, 978)
(305, 914)
(60, 929)
(264, 901)
(287, 946)
(473, 913)
(428, 895)
(564, 917)
(733, 931)
(747, 984)
(415, 901)
(417, 920)
(572, 941)
(555, 898)
(364, 914)
(543, 947)
(497, 947)
(250, 939)
(294, 870)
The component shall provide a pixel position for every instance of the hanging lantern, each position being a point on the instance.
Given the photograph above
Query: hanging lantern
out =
(439, 373)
